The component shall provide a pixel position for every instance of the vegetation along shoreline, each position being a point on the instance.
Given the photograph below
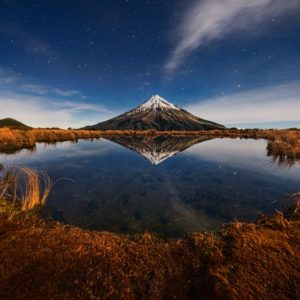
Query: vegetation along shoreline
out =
(281, 143)
(43, 259)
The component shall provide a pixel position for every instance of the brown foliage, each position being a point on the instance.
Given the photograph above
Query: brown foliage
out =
(46, 260)
(24, 188)
(285, 147)
(283, 143)
(15, 139)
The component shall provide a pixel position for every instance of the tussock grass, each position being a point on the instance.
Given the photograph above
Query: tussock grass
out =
(14, 139)
(284, 148)
(37, 188)
(24, 188)
(17, 137)
(47, 260)
(283, 145)
(11, 140)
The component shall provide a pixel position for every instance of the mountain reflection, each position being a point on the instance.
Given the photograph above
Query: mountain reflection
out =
(156, 149)
(211, 182)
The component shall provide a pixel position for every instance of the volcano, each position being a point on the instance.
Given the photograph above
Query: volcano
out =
(158, 114)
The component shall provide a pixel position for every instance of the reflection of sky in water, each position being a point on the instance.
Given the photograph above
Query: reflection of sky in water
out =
(108, 187)
(249, 154)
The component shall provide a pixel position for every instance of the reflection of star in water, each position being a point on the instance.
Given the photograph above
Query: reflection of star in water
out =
(156, 149)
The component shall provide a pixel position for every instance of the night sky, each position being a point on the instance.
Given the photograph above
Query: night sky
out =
(73, 63)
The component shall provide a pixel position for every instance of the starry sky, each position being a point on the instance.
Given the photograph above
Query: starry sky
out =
(74, 63)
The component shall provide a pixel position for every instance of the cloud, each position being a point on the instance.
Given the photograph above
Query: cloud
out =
(28, 41)
(245, 154)
(45, 106)
(273, 104)
(10, 80)
(66, 93)
(44, 90)
(209, 20)
(40, 111)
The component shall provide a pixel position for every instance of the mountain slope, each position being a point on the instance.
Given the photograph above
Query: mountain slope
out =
(159, 114)
(12, 123)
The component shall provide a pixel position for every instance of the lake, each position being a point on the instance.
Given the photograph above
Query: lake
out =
(168, 185)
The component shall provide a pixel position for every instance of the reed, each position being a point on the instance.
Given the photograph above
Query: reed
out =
(25, 188)
(37, 188)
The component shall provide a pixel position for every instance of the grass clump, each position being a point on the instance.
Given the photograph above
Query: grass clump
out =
(23, 189)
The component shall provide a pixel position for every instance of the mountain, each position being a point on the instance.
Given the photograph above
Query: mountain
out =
(156, 149)
(12, 123)
(159, 114)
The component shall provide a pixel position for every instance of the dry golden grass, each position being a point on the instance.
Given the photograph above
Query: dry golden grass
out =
(15, 139)
(47, 260)
(284, 145)
(37, 189)
(24, 187)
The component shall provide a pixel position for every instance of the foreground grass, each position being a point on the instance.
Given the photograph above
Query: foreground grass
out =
(43, 259)
(47, 260)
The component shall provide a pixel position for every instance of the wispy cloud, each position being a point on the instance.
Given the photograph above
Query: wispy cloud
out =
(273, 104)
(208, 20)
(65, 93)
(45, 106)
(41, 111)
(10, 80)
(28, 41)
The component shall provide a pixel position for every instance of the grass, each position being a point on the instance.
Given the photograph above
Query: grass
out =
(37, 188)
(46, 260)
(42, 259)
(12, 140)
(23, 189)
(283, 145)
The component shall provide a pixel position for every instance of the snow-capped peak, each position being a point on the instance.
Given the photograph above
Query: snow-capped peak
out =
(156, 102)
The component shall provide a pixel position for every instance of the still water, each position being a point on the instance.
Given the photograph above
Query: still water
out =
(171, 186)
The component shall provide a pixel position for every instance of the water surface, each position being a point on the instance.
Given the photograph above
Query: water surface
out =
(171, 186)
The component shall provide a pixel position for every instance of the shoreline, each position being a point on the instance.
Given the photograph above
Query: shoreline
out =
(285, 142)
(43, 259)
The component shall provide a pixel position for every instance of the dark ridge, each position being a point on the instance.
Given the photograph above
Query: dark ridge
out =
(12, 123)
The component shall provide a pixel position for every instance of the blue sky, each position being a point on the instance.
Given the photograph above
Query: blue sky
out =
(73, 63)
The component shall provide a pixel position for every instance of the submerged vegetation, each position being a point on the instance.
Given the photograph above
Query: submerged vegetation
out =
(43, 259)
